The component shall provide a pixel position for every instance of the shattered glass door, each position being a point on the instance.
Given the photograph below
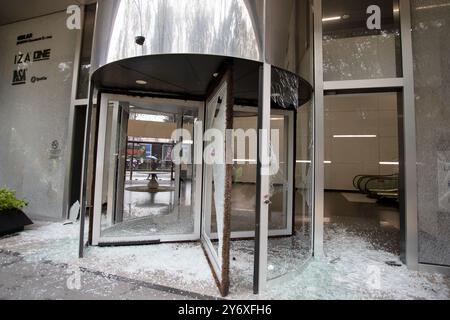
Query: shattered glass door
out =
(218, 183)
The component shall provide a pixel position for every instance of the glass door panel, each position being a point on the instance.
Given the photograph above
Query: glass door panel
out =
(243, 198)
(291, 184)
(145, 196)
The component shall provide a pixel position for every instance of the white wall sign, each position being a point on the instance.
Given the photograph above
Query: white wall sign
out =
(36, 56)
(74, 19)
(374, 20)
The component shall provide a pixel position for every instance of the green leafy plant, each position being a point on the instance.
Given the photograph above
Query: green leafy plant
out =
(8, 200)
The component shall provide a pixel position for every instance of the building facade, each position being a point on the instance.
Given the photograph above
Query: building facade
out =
(353, 89)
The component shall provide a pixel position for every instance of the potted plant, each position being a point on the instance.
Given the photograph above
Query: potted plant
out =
(12, 218)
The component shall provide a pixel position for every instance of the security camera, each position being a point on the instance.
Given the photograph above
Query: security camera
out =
(140, 40)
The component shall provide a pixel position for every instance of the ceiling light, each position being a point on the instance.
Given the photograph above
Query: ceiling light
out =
(387, 163)
(309, 161)
(141, 82)
(331, 19)
(433, 6)
(355, 136)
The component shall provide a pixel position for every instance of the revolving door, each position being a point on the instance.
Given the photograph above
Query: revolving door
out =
(209, 156)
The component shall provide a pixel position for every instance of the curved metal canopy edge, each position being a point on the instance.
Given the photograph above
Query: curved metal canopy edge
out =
(188, 77)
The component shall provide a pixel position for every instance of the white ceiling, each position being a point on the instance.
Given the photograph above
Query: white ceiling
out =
(17, 10)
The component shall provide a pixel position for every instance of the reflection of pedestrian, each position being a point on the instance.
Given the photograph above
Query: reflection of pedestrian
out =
(132, 163)
(153, 183)
(154, 164)
(168, 157)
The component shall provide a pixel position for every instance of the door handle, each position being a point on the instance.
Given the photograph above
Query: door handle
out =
(267, 199)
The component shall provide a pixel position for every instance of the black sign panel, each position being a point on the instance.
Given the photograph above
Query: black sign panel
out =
(38, 55)
(25, 38)
(19, 77)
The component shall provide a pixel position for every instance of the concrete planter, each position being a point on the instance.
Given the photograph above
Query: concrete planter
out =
(12, 221)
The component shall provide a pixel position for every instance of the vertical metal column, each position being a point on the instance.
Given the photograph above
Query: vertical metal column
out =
(113, 164)
(99, 171)
(262, 181)
(133, 148)
(84, 178)
(319, 133)
(70, 133)
(409, 139)
(180, 124)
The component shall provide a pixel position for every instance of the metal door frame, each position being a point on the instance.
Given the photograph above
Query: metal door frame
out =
(406, 85)
(219, 261)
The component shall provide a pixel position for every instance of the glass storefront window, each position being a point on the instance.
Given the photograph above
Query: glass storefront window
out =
(361, 40)
(431, 52)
